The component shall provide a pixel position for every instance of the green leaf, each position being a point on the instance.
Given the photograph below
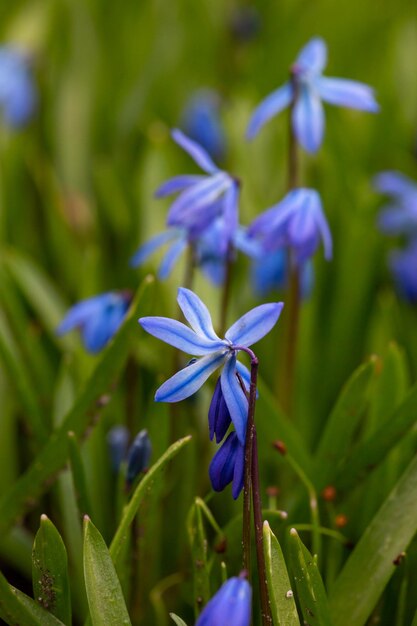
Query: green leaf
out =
(370, 566)
(284, 611)
(50, 572)
(44, 618)
(141, 490)
(198, 545)
(104, 592)
(17, 609)
(177, 620)
(342, 423)
(78, 475)
(53, 456)
(310, 589)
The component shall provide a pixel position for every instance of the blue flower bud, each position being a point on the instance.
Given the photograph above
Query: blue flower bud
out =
(218, 415)
(228, 465)
(117, 440)
(403, 264)
(230, 605)
(17, 90)
(139, 456)
(201, 121)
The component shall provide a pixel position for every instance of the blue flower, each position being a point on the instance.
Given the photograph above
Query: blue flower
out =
(201, 122)
(403, 265)
(399, 218)
(297, 222)
(271, 271)
(228, 465)
(17, 90)
(231, 605)
(306, 90)
(202, 198)
(117, 441)
(97, 318)
(139, 456)
(201, 340)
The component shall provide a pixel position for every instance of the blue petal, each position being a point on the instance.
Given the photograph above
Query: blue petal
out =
(270, 272)
(196, 152)
(239, 472)
(99, 329)
(323, 226)
(230, 605)
(188, 380)
(218, 415)
(270, 106)
(153, 244)
(222, 465)
(273, 219)
(235, 399)
(347, 93)
(196, 313)
(81, 312)
(185, 210)
(178, 183)
(230, 218)
(180, 336)
(214, 270)
(395, 184)
(313, 57)
(397, 220)
(246, 244)
(245, 375)
(308, 119)
(254, 325)
(171, 256)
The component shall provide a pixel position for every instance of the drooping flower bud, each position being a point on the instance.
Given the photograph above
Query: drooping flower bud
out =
(228, 466)
(139, 456)
(218, 415)
(230, 605)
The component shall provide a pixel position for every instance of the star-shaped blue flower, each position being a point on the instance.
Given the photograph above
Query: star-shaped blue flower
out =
(306, 90)
(17, 90)
(202, 198)
(97, 318)
(297, 222)
(400, 217)
(201, 341)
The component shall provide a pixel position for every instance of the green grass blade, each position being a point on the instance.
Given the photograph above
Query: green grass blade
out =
(311, 594)
(177, 620)
(44, 618)
(104, 592)
(78, 475)
(50, 572)
(284, 610)
(370, 566)
(141, 490)
(198, 546)
(53, 456)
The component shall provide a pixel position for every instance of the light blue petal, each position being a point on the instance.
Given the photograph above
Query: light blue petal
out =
(308, 119)
(323, 226)
(185, 209)
(180, 336)
(153, 244)
(170, 257)
(188, 380)
(235, 399)
(313, 57)
(246, 244)
(244, 373)
(78, 314)
(395, 184)
(397, 220)
(269, 223)
(254, 325)
(178, 183)
(270, 106)
(347, 93)
(214, 270)
(196, 313)
(196, 152)
(100, 328)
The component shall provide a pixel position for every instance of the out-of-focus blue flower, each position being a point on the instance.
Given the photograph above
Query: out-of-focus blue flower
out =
(178, 240)
(201, 340)
(297, 222)
(227, 465)
(17, 90)
(117, 441)
(201, 122)
(271, 271)
(202, 198)
(306, 90)
(403, 265)
(400, 217)
(139, 456)
(230, 606)
(97, 318)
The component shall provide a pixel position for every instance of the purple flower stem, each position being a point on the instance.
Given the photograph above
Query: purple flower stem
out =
(251, 487)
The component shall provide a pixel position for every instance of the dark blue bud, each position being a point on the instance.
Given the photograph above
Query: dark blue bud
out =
(201, 121)
(139, 456)
(218, 415)
(228, 466)
(117, 440)
(230, 605)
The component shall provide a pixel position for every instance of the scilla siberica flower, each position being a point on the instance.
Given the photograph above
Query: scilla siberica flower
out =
(230, 606)
(271, 271)
(97, 318)
(201, 340)
(305, 91)
(297, 222)
(17, 90)
(201, 122)
(403, 265)
(400, 217)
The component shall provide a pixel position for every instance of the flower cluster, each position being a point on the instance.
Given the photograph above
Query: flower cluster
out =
(229, 404)
(400, 218)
